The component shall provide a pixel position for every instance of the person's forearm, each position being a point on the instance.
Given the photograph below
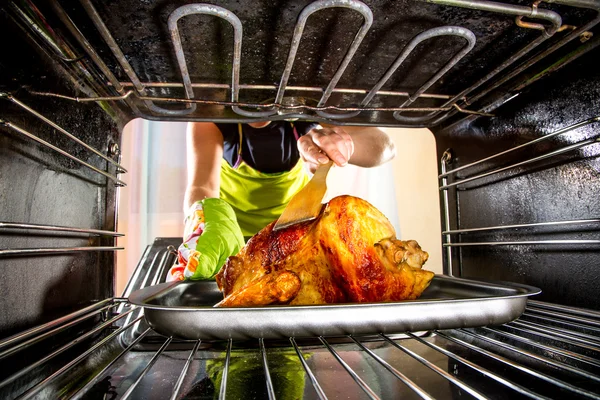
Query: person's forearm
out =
(204, 154)
(198, 193)
(372, 146)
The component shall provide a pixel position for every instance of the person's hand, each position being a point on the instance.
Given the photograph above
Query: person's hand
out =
(212, 234)
(318, 146)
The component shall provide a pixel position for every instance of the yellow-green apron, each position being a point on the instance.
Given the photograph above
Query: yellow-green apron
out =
(258, 198)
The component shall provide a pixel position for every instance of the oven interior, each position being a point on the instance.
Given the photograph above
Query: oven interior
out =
(510, 90)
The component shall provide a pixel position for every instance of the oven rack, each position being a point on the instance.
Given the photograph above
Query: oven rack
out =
(459, 181)
(552, 351)
(277, 109)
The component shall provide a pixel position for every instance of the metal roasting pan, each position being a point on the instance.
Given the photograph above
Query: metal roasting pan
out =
(184, 310)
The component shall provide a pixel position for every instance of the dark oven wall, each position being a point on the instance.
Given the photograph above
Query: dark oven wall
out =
(562, 187)
(38, 185)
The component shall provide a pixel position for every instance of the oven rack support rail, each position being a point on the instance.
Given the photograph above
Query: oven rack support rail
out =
(461, 183)
(277, 110)
(22, 228)
(565, 341)
(119, 169)
(13, 227)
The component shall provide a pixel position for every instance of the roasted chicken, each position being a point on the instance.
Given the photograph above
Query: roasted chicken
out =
(348, 254)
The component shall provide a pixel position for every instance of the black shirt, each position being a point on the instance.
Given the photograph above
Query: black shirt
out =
(270, 149)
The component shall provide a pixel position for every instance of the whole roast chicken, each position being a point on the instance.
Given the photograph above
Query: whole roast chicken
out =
(348, 254)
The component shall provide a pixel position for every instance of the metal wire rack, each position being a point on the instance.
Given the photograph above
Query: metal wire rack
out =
(552, 351)
(278, 109)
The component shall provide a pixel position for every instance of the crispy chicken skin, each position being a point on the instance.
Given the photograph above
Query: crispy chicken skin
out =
(348, 254)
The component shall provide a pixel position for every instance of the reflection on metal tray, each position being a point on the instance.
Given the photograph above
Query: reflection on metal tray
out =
(184, 310)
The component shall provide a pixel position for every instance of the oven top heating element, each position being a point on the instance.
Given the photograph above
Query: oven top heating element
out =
(142, 99)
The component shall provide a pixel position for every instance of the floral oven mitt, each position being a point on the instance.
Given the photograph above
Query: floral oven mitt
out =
(211, 235)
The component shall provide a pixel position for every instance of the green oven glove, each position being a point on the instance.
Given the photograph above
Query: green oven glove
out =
(211, 235)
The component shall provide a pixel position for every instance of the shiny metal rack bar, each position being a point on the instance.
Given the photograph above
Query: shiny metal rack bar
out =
(54, 228)
(528, 316)
(444, 174)
(184, 370)
(540, 346)
(551, 349)
(153, 276)
(444, 160)
(518, 226)
(223, 388)
(30, 135)
(576, 33)
(25, 107)
(40, 28)
(311, 375)
(363, 385)
(567, 336)
(55, 250)
(23, 345)
(147, 368)
(588, 321)
(576, 338)
(557, 364)
(540, 305)
(525, 243)
(41, 336)
(265, 362)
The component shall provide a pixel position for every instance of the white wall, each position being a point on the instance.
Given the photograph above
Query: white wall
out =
(151, 205)
(417, 193)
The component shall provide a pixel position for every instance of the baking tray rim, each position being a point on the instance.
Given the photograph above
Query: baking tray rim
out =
(142, 296)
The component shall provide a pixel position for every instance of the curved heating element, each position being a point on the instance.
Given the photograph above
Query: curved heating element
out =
(518, 11)
(540, 19)
(216, 11)
(428, 34)
(297, 37)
